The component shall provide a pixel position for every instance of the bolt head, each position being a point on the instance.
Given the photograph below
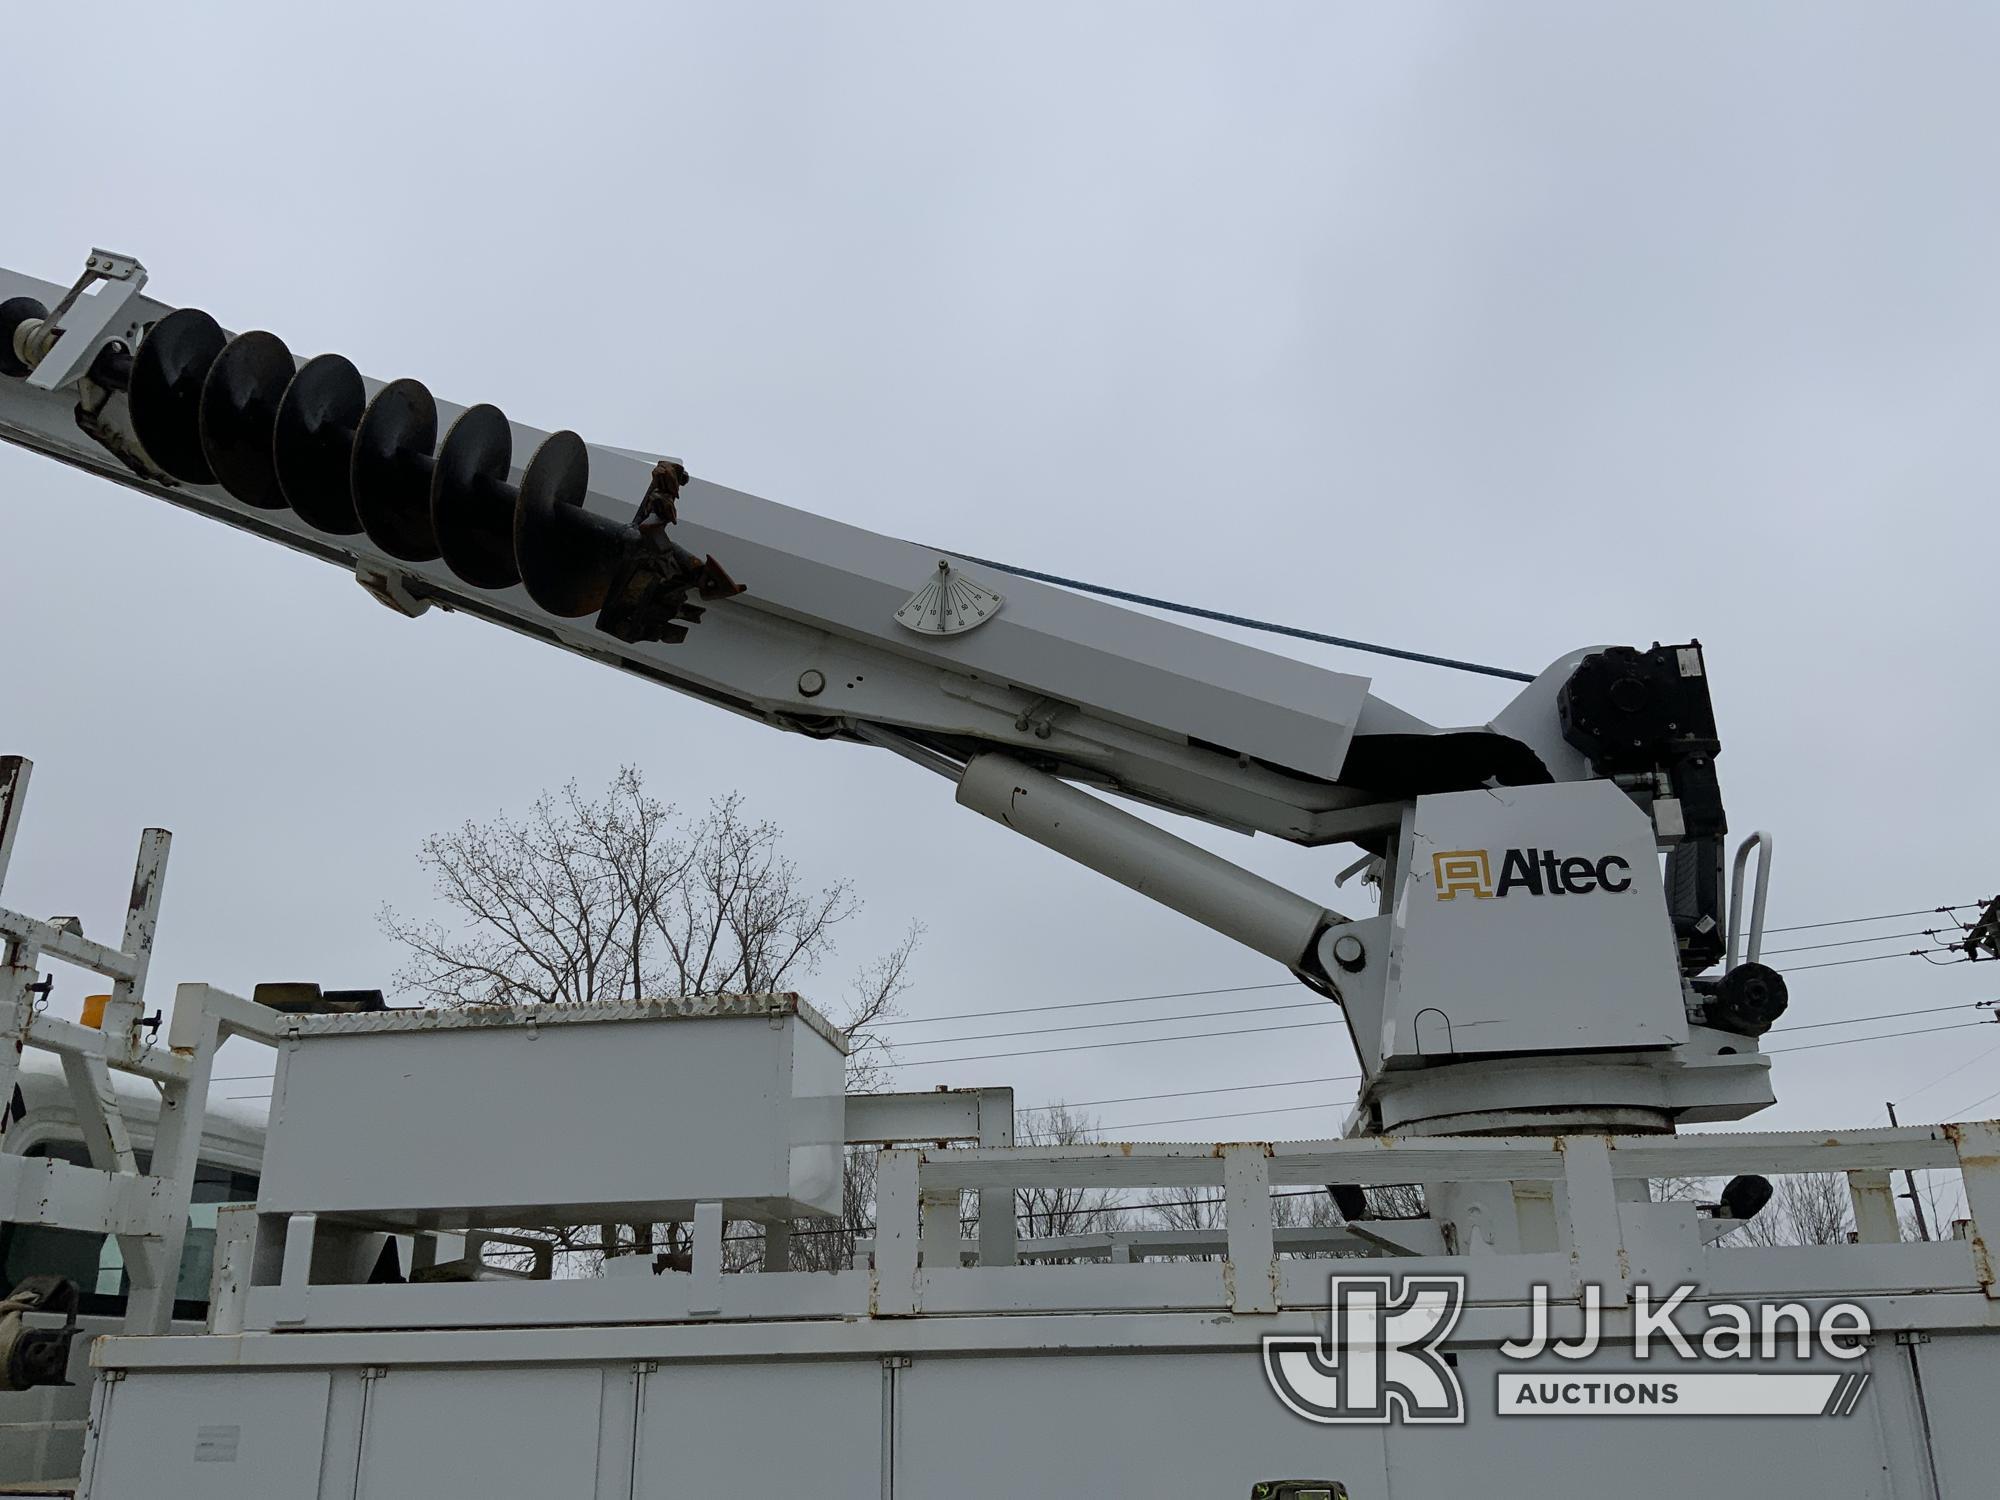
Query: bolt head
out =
(812, 682)
(1350, 953)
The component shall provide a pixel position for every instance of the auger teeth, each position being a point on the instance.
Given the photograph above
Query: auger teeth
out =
(313, 440)
(472, 504)
(392, 470)
(242, 413)
(239, 413)
(568, 555)
(167, 377)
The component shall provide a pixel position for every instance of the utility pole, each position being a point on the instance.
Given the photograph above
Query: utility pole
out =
(1910, 1180)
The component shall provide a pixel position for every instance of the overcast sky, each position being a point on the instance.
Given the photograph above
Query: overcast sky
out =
(1483, 330)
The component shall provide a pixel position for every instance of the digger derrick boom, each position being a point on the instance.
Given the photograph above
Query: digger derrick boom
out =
(809, 624)
(622, 557)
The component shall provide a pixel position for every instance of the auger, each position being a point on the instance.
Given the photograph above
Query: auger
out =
(240, 413)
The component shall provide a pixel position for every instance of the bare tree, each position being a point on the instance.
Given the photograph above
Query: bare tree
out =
(593, 899)
(828, 1244)
(1199, 1207)
(1810, 1208)
(1943, 1197)
(1191, 1206)
(614, 897)
(1315, 1210)
(1046, 1211)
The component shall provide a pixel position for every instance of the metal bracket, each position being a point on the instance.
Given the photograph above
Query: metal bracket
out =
(391, 589)
(61, 354)
(649, 595)
(1040, 716)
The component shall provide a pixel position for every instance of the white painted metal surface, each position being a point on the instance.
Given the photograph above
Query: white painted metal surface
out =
(1130, 1378)
(1568, 956)
(824, 596)
(449, 1118)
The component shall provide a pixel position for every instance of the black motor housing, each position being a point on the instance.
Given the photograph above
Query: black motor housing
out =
(1635, 713)
(1747, 1000)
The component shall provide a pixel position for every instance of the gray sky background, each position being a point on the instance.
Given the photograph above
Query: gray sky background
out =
(1483, 330)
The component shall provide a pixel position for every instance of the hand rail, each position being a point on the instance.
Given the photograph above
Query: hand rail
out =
(1762, 842)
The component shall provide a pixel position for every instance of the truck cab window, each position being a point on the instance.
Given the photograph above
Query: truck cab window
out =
(94, 1261)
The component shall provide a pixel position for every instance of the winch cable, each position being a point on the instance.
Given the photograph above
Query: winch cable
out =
(1246, 622)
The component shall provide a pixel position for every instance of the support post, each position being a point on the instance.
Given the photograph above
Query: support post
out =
(296, 1274)
(176, 1154)
(778, 1246)
(998, 1237)
(938, 1228)
(14, 771)
(229, 1279)
(705, 1291)
(1978, 1143)
(142, 921)
(17, 961)
(1252, 1247)
(1874, 1201)
(896, 1226)
(1596, 1240)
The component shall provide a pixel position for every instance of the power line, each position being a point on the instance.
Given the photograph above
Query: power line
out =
(1929, 911)
(1022, 1010)
(1953, 1073)
(1968, 1109)
(1883, 937)
(1835, 963)
(1356, 1078)
(1265, 1010)
(1249, 624)
(1235, 1088)
(1888, 1015)
(1239, 1114)
(1199, 1015)
(1140, 1041)
(1886, 1036)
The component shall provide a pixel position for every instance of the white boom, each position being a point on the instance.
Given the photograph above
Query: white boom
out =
(1010, 687)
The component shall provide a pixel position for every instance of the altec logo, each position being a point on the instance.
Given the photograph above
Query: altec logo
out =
(1537, 872)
